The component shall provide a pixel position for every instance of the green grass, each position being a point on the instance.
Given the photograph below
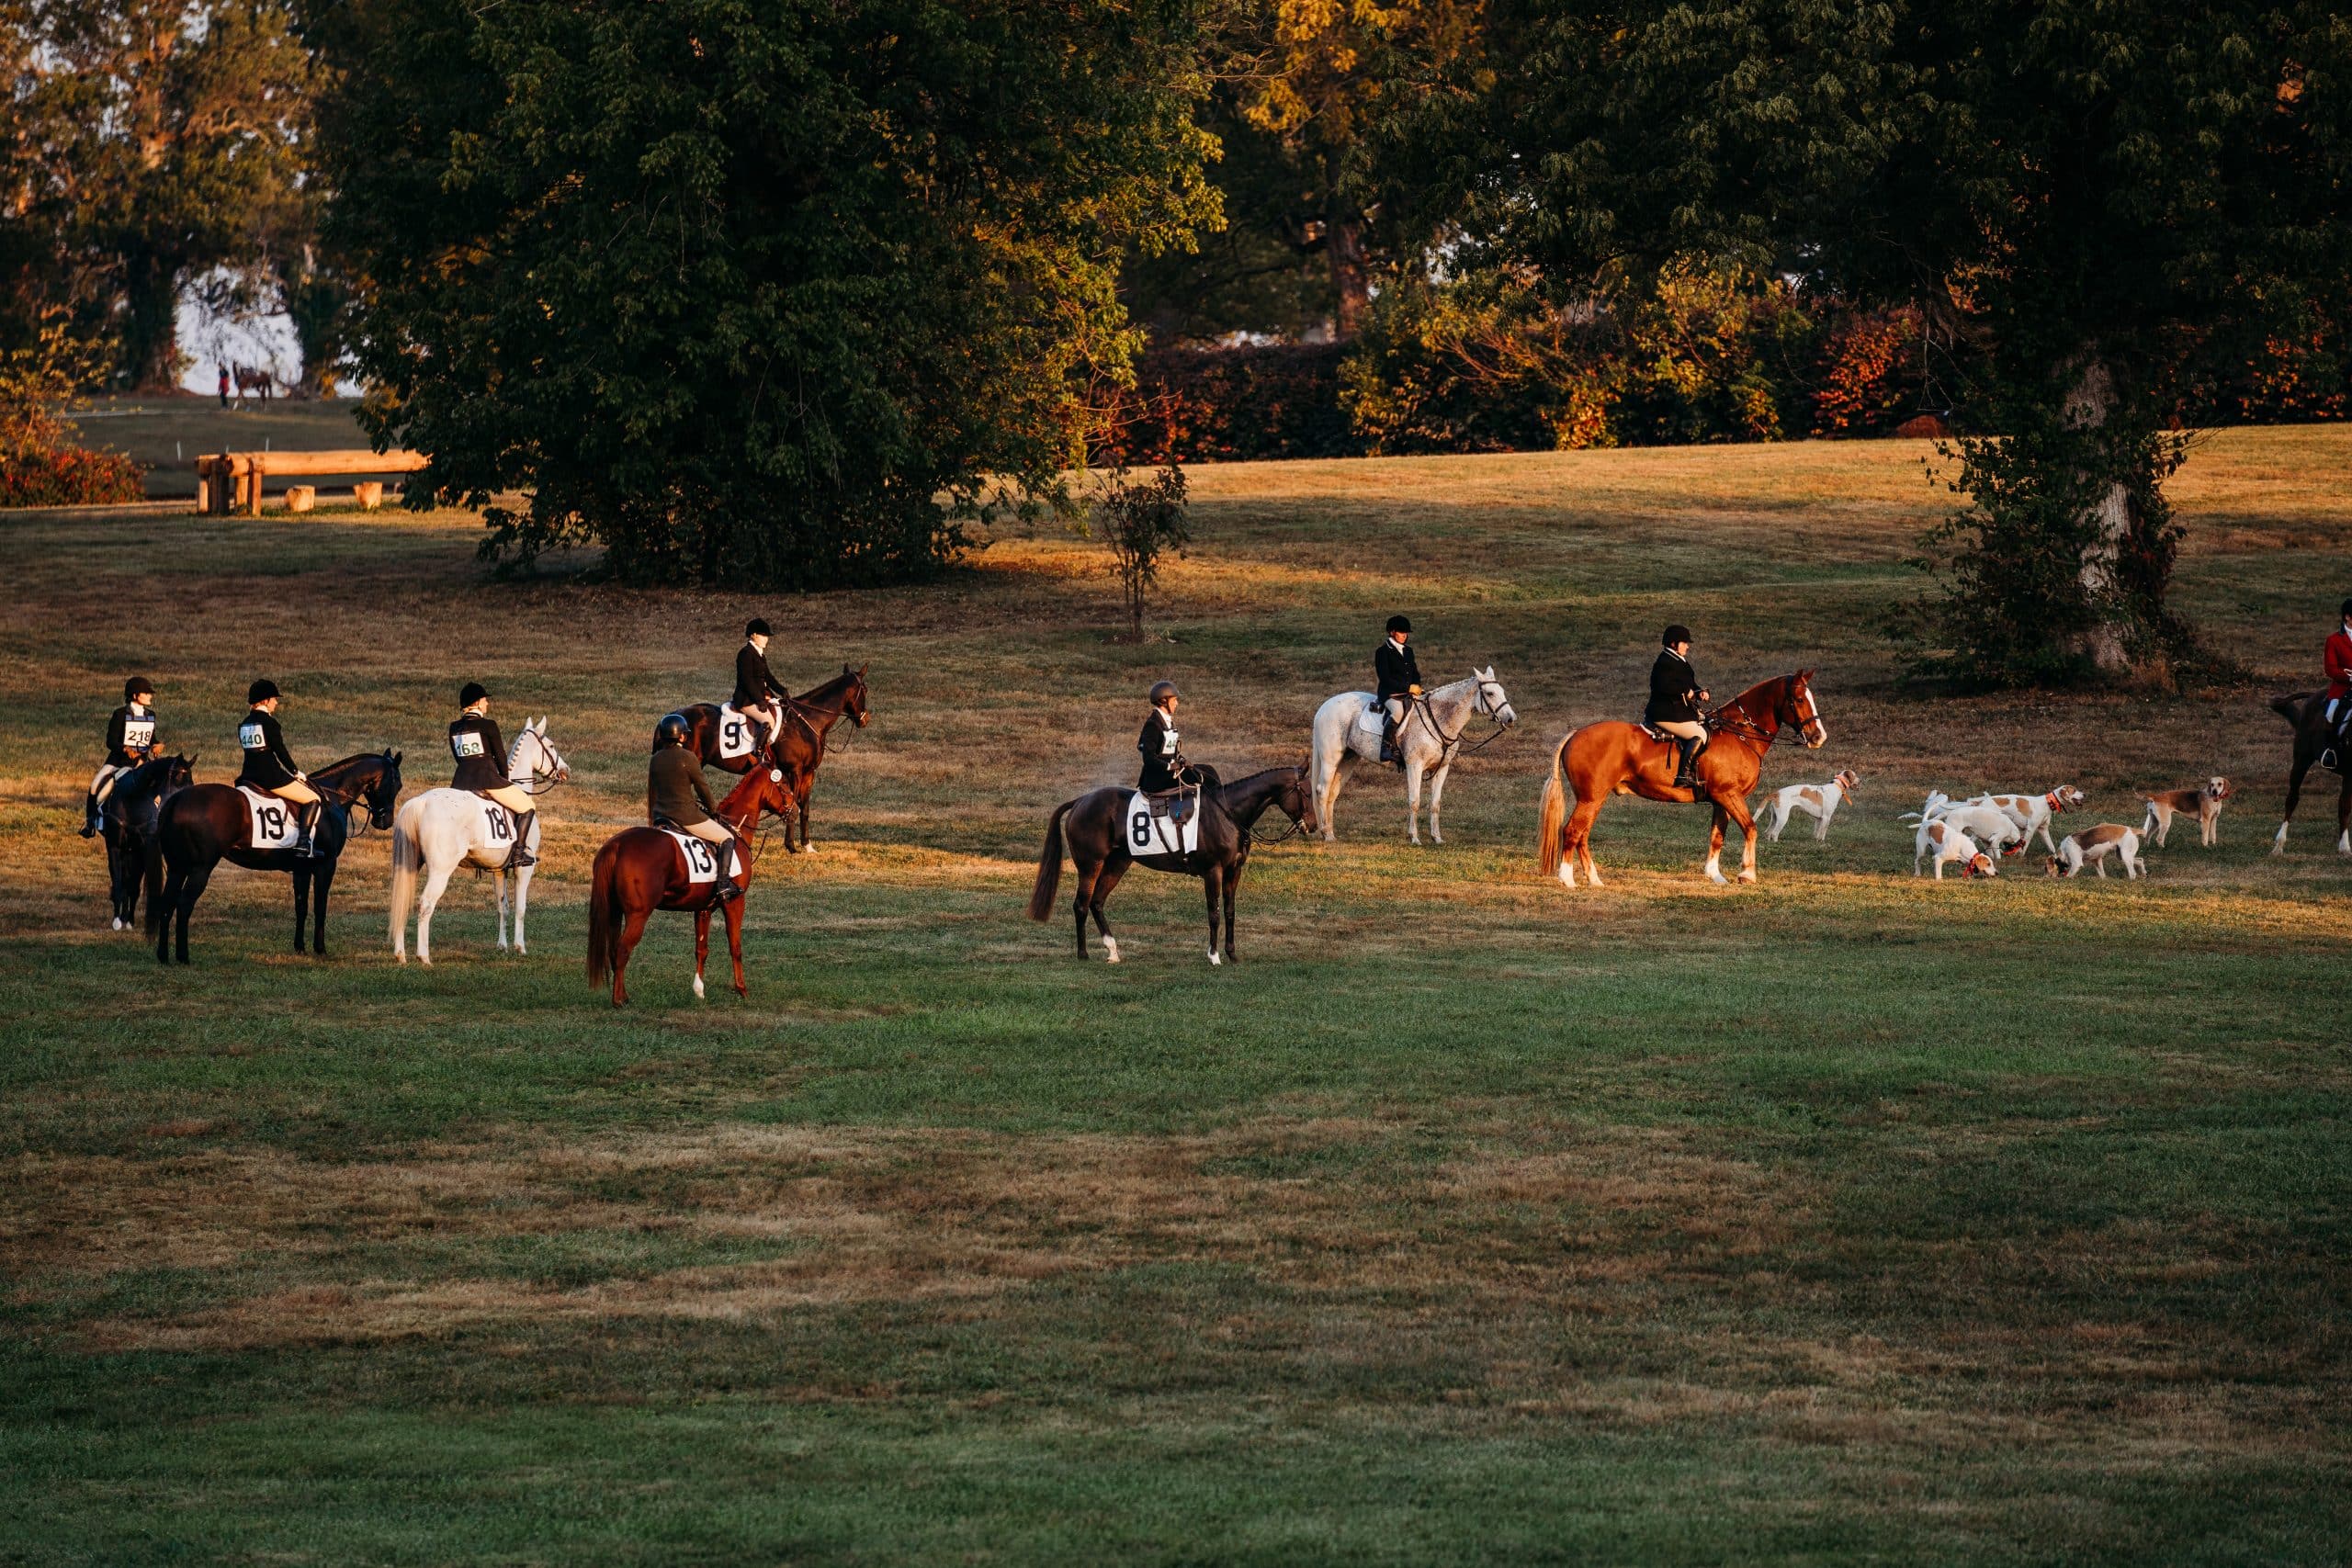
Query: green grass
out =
(1848, 1217)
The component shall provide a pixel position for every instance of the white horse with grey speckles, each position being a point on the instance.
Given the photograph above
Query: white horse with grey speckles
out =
(1348, 728)
(442, 829)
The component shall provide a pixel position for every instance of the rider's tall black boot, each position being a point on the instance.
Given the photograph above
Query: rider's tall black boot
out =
(520, 855)
(308, 822)
(90, 819)
(1686, 775)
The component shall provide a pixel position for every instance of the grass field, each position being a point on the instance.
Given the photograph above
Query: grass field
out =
(1848, 1217)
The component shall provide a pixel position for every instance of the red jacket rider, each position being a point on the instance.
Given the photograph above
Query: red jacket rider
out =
(2337, 661)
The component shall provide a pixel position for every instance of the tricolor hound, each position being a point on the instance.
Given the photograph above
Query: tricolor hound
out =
(2205, 802)
(2095, 844)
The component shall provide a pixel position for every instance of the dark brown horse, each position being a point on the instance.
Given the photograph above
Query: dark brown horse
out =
(134, 863)
(706, 726)
(800, 749)
(1616, 758)
(639, 870)
(1102, 844)
(205, 824)
(2306, 711)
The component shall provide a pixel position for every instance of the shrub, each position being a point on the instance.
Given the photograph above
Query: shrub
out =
(1193, 405)
(1139, 522)
(40, 463)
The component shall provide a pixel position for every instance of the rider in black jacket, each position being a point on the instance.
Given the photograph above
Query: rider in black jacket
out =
(480, 753)
(269, 766)
(130, 741)
(758, 694)
(1675, 696)
(1397, 676)
(1164, 767)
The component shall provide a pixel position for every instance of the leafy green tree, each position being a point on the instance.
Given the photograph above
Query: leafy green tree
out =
(2113, 200)
(151, 141)
(769, 291)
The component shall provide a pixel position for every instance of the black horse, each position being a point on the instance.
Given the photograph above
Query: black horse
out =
(1101, 848)
(205, 823)
(2306, 711)
(129, 820)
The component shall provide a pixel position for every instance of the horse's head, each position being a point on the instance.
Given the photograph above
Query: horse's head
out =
(382, 790)
(178, 772)
(534, 756)
(1297, 797)
(762, 790)
(853, 700)
(1801, 711)
(1493, 701)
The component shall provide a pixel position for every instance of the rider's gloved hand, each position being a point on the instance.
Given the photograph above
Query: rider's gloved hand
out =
(1412, 691)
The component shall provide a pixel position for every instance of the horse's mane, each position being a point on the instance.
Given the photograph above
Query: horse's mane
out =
(839, 683)
(1253, 778)
(1742, 703)
(355, 760)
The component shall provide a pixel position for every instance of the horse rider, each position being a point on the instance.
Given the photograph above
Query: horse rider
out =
(1675, 696)
(2336, 661)
(480, 752)
(757, 692)
(1398, 683)
(677, 796)
(1164, 768)
(269, 767)
(130, 741)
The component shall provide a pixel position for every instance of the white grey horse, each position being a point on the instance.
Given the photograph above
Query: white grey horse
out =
(444, 829)
(1430, 738)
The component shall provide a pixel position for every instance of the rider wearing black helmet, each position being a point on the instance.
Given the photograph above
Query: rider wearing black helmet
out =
(676, 796)
(1675, 696)
(1164, 767)
(480, 752)
(269, 766)
(1398, 681)
(130, 741)
(757, 693)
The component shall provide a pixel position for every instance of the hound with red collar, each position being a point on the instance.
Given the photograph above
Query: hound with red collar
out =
(2094, 845)
(2031, 813)
(1819, 802)
(2204, 802)
(1950, 846)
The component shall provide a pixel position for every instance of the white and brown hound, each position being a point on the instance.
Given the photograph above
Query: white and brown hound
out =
(2094, 845)
(1819, 802)
(2205, 802)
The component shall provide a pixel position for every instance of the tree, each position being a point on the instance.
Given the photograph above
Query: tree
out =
(2111, 199)
(769, 293)
(1140, 522)
(152, 140)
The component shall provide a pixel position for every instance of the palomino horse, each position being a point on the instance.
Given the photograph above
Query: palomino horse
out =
(129, 818)
(445, 829)
(204, 824)
(1100, 847)
(1431, 737)
(1616, 758)
(800, 749)
(2306, 711)
(639, 870)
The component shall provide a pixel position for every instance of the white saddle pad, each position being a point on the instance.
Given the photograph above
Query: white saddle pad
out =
(1149, 833)
(1373, 723)
(497, 824)
(702, 859)
(273, 823)
(734, 733)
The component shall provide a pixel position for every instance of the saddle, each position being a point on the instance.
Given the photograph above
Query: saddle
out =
(1175, 804)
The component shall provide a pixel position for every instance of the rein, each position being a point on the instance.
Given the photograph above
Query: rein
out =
(1450, 746)
(1293, 826)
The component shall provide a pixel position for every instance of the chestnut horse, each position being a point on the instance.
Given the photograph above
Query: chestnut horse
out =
(204, 824)
(1098, 848)
(1617, 757)
(799, 749)
(639, 870)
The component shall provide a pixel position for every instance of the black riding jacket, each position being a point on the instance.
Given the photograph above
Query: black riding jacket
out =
(1397, 670)
(1674, 690)
(268, 765)
(1163, 765)
(754, 681)
(480, 752)
(675, 790)
(129, 734)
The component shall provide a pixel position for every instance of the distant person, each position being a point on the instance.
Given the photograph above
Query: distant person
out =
(480, 753)
(130, 741)
(677, 796)
(225, 386)
(1675, 696)
(757, 693)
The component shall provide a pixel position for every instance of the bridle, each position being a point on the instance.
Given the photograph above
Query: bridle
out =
(1292, 826)
(1450, 746)
(554, 780)
(1736, 721)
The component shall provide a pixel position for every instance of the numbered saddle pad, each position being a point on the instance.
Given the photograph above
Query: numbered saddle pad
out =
(274, 823)
(498, 823)
(734, 733)
(702, 859)
(1150, 833)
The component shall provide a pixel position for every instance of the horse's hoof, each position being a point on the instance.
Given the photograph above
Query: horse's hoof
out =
(1110, 951)
(697, 987)
(1747, 877)
(1214, 958)
(117, 924)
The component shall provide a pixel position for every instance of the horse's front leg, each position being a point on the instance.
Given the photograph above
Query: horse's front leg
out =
(1715, 848)
(800, 809)
(2344, 814)
(324, 879)
(1213, 886)
(1232, 884)
(1413, 771)
(522, 901)
(498, 886)
(1437, 798)
(702, 945)
(302, 880)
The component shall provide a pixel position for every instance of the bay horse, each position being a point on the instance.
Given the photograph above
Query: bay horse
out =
(1098, 848)
(1616, 758)
(639, 870)
(205, 824)
(1431, 737)
(128, 820)
(799, 747)
(443, 828)
(2306, 711)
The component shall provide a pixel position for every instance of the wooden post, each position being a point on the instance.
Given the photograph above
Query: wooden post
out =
(370, 493)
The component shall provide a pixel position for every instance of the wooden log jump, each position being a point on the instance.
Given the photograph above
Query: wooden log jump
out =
(231, 482)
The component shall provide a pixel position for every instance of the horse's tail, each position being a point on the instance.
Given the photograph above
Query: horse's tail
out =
(602, 930)
(1550, 822)
(406, 854)
(1049, 866)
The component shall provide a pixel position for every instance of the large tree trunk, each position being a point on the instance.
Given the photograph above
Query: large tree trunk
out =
(1351, 282)
(151, 327)
(2090, 405)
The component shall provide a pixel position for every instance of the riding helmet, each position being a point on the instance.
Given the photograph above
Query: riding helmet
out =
(471, 692)
(1674, 634)
(1161, 690)
(260, 692)
(2347, 611)
(671, 730)
(138, 686)
(756, 628)
(1399, 624)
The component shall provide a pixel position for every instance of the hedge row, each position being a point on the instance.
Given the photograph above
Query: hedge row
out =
(69, 476)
